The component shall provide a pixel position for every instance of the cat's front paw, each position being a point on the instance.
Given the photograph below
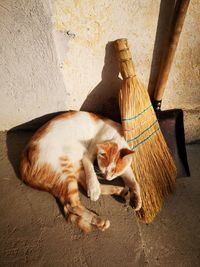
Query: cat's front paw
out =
(94, 191)
(135, 199)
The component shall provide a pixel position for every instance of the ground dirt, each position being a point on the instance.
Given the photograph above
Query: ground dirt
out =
(33, 231)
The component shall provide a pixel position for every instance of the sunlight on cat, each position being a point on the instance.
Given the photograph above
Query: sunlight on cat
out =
(61, 154)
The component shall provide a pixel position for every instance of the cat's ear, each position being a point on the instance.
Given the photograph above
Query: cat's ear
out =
(126, 152)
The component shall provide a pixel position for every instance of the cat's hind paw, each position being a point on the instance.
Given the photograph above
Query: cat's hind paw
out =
(102, 224)
(125, 193)
(105, 226)
(85, 226)
(135, 200)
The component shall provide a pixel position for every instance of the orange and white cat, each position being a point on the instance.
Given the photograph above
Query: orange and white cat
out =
(60, 155)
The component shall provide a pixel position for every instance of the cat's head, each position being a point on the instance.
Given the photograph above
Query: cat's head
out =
(113, 161)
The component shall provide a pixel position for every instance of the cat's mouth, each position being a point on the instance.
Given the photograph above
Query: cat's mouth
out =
(108, 178)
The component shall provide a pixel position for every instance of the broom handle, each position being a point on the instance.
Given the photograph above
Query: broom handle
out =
(125, 59)
(177, 24)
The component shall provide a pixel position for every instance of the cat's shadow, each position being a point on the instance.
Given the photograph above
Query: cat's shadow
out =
(103, 100)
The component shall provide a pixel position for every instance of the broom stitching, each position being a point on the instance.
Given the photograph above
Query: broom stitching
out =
(124, 60)
(122, 50)
(129, 77)
(134, 129)
(130, 140)
(134, 117)
(145, 139)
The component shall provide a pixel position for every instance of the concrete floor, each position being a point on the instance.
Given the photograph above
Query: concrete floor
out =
(33, 231)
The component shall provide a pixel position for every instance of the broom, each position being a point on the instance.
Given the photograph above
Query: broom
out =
(152, 164)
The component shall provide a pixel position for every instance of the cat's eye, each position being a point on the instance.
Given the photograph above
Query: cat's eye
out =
(102, 154)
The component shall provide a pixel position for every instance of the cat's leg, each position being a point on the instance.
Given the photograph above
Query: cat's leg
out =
(75, 207)
(74, 211)
(93, 185)
(106, 189)
(66, 189)
(114, 190)
(130, 181)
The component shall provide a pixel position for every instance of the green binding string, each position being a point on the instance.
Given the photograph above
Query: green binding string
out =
(130, 140)
(136, 116)
(132, 148)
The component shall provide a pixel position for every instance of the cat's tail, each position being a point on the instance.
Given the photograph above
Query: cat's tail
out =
(27, 161)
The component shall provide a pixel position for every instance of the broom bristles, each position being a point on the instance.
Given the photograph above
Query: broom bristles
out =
(152, 164)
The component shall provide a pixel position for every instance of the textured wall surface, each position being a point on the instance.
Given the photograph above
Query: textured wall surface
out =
(31, 83)
(82, 32)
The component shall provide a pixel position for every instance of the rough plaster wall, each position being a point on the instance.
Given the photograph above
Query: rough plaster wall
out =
(82, 29)
(31, 82)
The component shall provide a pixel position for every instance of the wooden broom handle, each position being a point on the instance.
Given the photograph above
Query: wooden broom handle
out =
(177, 24)
(125, 59)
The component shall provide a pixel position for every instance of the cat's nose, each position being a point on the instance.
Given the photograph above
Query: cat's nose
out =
(106, 174)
